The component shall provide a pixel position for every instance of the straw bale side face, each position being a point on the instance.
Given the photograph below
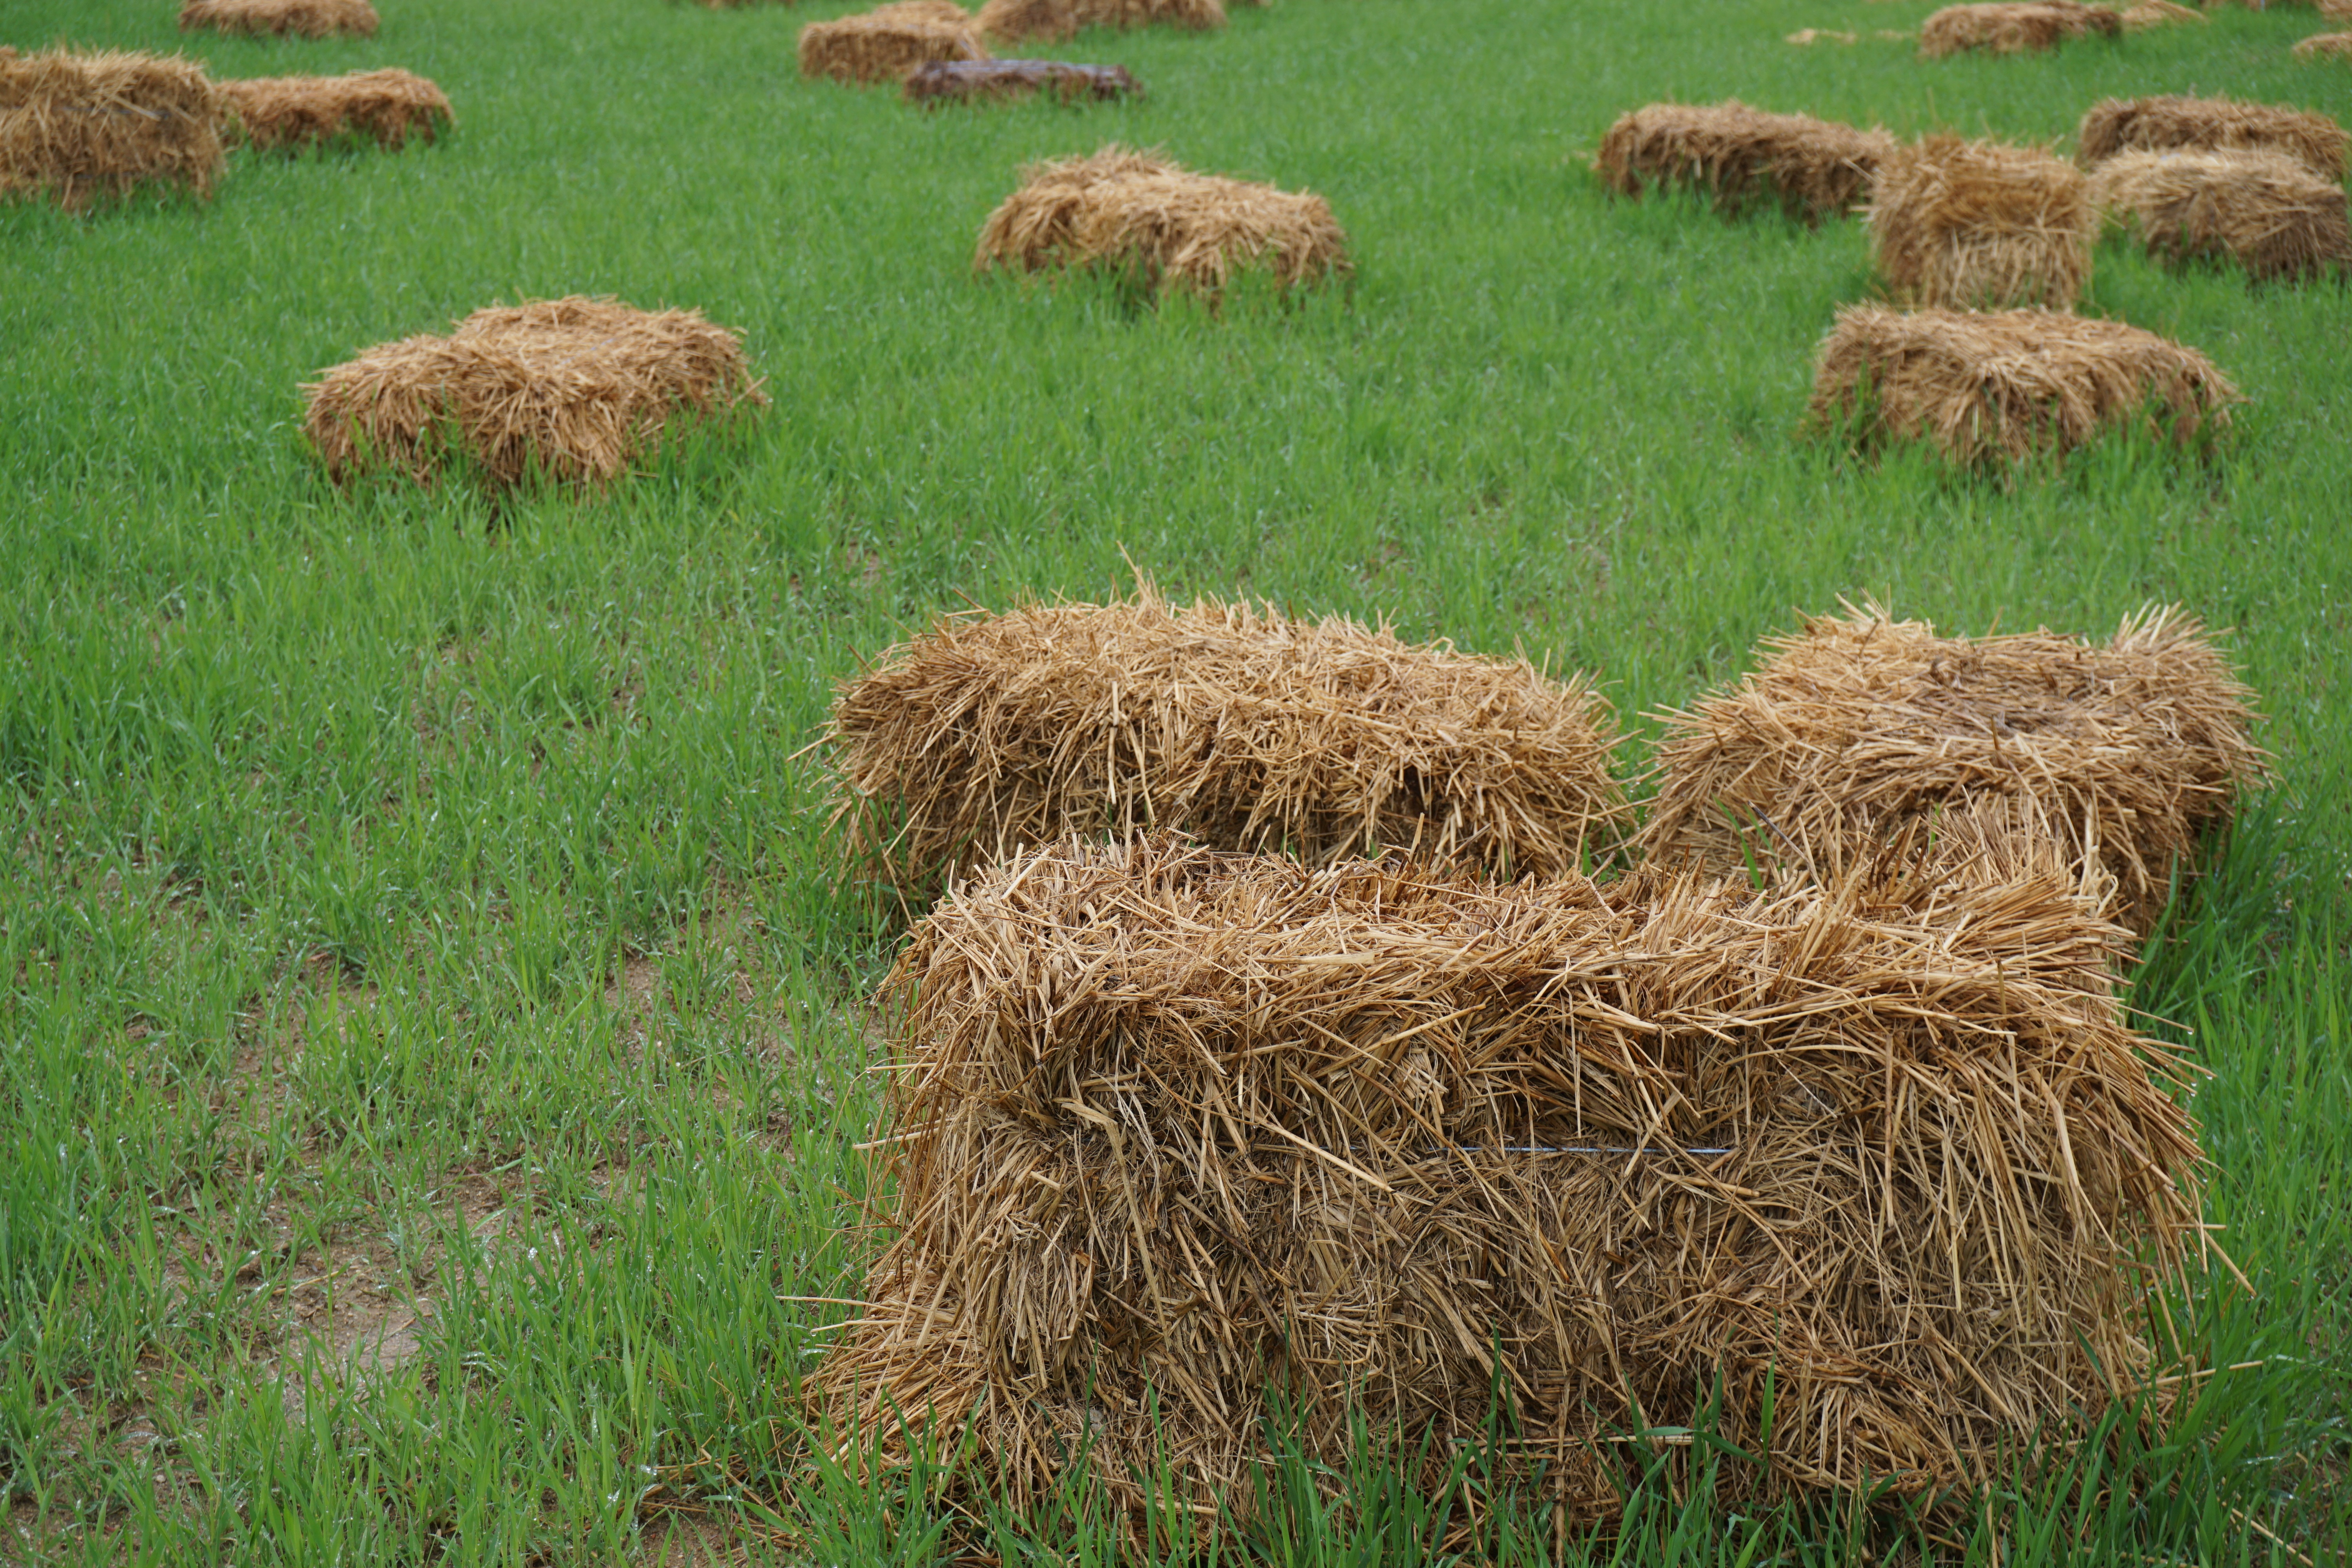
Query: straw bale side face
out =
(1010, 21)
(307, 18)
(2325, 47)
(2173, 123)
(2267, 211)
(576, 389)
(1177, 1122)
(978, 81)
(1976, 225)
(2119, 755)
(385, 107)
(1742, 156)
(889, 43)
(77, 126)
(1325, 739)
(1139, 215)
(2008, 28)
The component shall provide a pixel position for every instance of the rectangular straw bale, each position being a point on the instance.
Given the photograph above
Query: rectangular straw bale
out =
(889, 42)
(2325, 47)
(2000, 387)
(576, 389)
(307, 18)
(2268, 211)
(1139, 216)
(978, 81)
(1742, 156)
(2013, 27)
(1009, 21)
(385, 107)
(2176, 123)
(1978, 225)
(1168, 1128)
(77, 126)
(1244, 727)
(2125, 752)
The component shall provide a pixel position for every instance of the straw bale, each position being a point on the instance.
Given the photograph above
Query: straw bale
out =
(1234, 723)
(1857, 726)
(888, 42)
(976, 81)
(1987, 386)
(385, 107)
(2336, 10)
(2013, 27)
(1171, 1128)
(1053, 20)
(1806, 35)
(1976, 225)
(2325, 47)
(2170, 124)
(575, 388)
(78, 126)
(1139, 214)
(310, 18)
(2152, 14)
(1814, 168)
(2270, 211)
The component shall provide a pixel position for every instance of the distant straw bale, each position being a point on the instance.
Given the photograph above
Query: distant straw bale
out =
(2325, 47)
(1860, 726)
(576, 390)
(2013, 27)
(1878, 1169)
(1743, 156)
(385, 107)
(980, 81)
(1137, 214)
(1054, 20)
(1975, 225)
(2169, 124)
(1245, 729)
(889, 42)
(1804, 37)
(2152, 14)
(78, 126)
(2270, 212)
(1999, 386)
(310, 18)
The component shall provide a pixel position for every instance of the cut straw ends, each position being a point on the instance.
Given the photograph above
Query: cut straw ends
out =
(79, 126)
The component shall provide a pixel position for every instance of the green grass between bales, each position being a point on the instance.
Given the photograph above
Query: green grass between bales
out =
(430, 1035)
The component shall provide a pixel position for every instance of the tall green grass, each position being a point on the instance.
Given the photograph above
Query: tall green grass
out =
(419, 915)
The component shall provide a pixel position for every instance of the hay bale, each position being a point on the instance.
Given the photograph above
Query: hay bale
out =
(1137, 214)
(1250, 731)
(2270, 211)
(1975, 225)
(2336, 10)
(978, 81)
(78, 126)
(1009, 21)
(1806, 36)
(2152, 14)
(1172, 1127)
(1814, 168)
(2325, 47)
(888, 42)
(574, 389)
(2013, 27)
(384, 107)
(310, 18)
(2000, 387)
(1859, 726)
(2177, 124)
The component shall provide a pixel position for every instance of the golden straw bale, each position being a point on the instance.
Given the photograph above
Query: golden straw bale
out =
(1998, 387)
(2013, 27)
(80, 125)
(980, 81)
(2169, 124)
(310, 18)
(381, 106)
(2269, 210)
(888, 42)
(1861, 725)
(1011, 21)
(2150, 13)
(574, 389)
(2325, 47)
(1139, 214)
(1974, 224)
(1879, 1165)
(1248, 730)
(2336, 10)
(1814, 168)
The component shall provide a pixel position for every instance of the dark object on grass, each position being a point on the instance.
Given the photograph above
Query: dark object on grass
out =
(972, 82)
(385, 107)
(1742, 156)
(77, 126)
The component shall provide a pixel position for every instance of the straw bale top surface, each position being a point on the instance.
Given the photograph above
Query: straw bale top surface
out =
(2178, 123)
(2270, 211)
(384, 106)
(309, 18)
(82, 125)
(1013, 20)
(1975, 224)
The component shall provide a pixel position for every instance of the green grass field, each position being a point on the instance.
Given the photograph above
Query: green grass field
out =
(430, 1034)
